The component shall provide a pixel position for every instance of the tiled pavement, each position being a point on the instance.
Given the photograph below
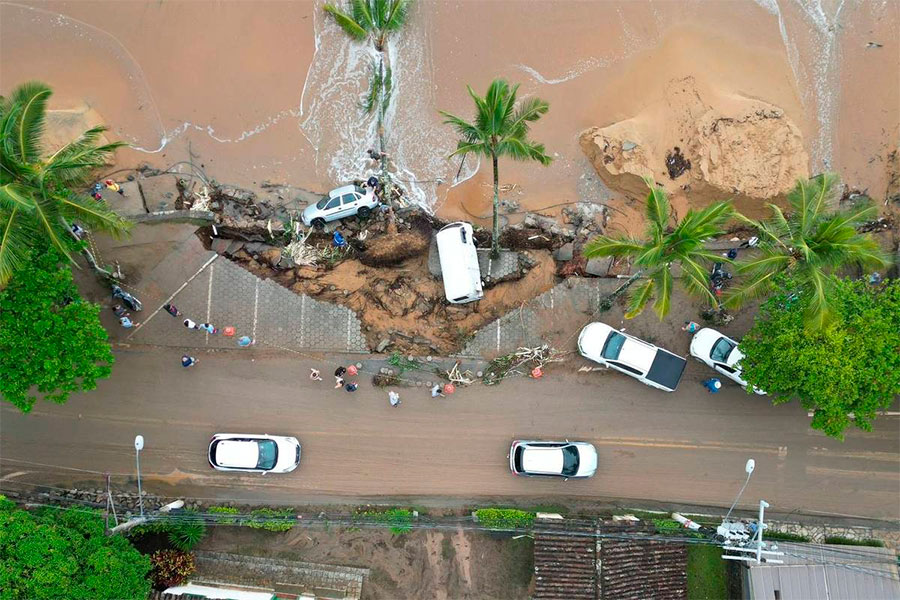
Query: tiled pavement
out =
(222, 293)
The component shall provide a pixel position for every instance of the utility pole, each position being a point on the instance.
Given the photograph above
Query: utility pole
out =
(142, 519)
(755, 546)
(749, 467)
(138, 446)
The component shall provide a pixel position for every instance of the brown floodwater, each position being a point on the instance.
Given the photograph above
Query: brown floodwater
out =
(270, 90)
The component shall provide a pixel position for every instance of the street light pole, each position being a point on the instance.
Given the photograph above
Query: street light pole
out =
(138, 446)
(751, 464)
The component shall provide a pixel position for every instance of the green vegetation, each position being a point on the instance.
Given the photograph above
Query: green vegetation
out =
(56, 553)
(663, 246)
(811, 244)
(271, 519)
(38, 197)
(666, 525)
(51, 341)
(400, 519)
(504, 518)
(499, 129)
(849, 365)
(784, 536)
(184, 530)
(223, 514)
(837, 539)
(706, 577)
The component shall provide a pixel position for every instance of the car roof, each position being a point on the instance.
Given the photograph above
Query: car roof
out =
(242, 455)
(542, 460)
(347, 189)
(637, 353)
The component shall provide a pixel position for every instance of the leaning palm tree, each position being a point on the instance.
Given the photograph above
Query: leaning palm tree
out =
(38, 197)
(812, 243)
(500, 129)
(664, 246)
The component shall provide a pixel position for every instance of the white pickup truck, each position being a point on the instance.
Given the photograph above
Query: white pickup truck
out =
(645, 362)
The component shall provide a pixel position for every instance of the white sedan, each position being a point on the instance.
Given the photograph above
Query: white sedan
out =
(720, 353)
(253, 453)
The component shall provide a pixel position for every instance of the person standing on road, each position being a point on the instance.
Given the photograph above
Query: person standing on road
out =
(170, 308)
(690, 327)
(713, 385)
(314, 375)
(351, 387)
(394, 397)
(126, 322)
(245, 341)
(188, 361)
(436, 391)
(190, 324)
(208, 328)
(339, 377)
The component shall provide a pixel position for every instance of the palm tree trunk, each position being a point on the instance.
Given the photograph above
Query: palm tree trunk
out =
(606, 303)
(495, 229)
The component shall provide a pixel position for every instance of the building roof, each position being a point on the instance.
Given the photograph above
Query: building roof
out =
(565, 560)
(632, 568)
(826, 573)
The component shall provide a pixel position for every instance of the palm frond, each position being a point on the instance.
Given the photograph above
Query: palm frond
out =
(374, 89)
(346, 22)
(387, 87)
(361, 12)
(738, 295)
(15, 240)
(773, 262)
(706, 223)
(95, 214)
(397, 14)
(818, 311)
(663, 283)
(14, 196)
(522, 149)
(499, 104)
(463, 148)
(844, 222)
(29, 129)
(695, 280)
(638, 299)
(49, 221)
(658, 208)
(469, 132)
(530, 109)
(607, 246)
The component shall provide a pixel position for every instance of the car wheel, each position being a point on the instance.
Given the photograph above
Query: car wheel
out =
(363, 212)
(318, 223)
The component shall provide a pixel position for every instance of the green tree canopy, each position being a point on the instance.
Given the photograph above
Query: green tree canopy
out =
(500, 128)
(38, 194)
(51, 340)
(662, 246)
(58, 553)
(810, 243)
(851, 365)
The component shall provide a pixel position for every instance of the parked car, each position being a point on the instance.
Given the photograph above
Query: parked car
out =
(645, 362)
(342, 202)
(721, 353)
(459, 263)
(254, 453)
(553, 459)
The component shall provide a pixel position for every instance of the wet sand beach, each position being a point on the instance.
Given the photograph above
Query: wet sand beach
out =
(264, 90)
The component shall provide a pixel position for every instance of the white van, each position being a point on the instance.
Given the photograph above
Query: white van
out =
(459, 263)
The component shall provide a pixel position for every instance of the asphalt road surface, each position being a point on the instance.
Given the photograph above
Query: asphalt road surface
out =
(687, 447)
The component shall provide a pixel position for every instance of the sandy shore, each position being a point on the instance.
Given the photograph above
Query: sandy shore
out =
(267, 90)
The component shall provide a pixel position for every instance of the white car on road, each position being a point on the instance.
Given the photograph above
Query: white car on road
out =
(554, 459)
(645, 362)
(254, 453)
(720, 353)
(342, 202)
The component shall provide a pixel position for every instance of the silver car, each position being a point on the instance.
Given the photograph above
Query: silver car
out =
(254, 453)
(346, 201)
(554, 459)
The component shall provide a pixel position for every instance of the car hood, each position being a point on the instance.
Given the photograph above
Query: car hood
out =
(287, 454)
(308, 213)
(587, 461)
(592, 338)
(702, 342)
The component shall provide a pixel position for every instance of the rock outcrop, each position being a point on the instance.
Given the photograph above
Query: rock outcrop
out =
(711, 145)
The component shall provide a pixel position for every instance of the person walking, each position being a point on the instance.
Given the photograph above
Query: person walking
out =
(208, 328)
(170, 308)
(190, 324)
(126, 322)
(314, 375)
(351, 387)
(394, 397)
(690, 327)
(245, 341)
(338, 382)
(713, 385)
(436, 391)
(188, 361)
(112, 185)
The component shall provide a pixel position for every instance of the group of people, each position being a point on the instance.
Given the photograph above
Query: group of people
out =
(437, 391)
(109, 184)
(190, 361)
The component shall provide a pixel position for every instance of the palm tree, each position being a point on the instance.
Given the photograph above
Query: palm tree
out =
(811, 244)
(664, 246)
(37, 200)
(500, 129)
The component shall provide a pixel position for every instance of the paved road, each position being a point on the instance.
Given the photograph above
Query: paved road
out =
(687, 447)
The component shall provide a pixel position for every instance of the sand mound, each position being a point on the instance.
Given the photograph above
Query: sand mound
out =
(708, 144)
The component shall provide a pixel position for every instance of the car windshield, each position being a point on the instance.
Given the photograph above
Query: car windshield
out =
(613, 345)
(321, 203)
(268, 454)
(721, 350)
(570, 461)
(359, 190)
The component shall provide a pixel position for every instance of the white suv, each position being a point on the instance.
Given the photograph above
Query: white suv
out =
(254, 453)
(554, 459)
(721, 353)
(342, 202)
